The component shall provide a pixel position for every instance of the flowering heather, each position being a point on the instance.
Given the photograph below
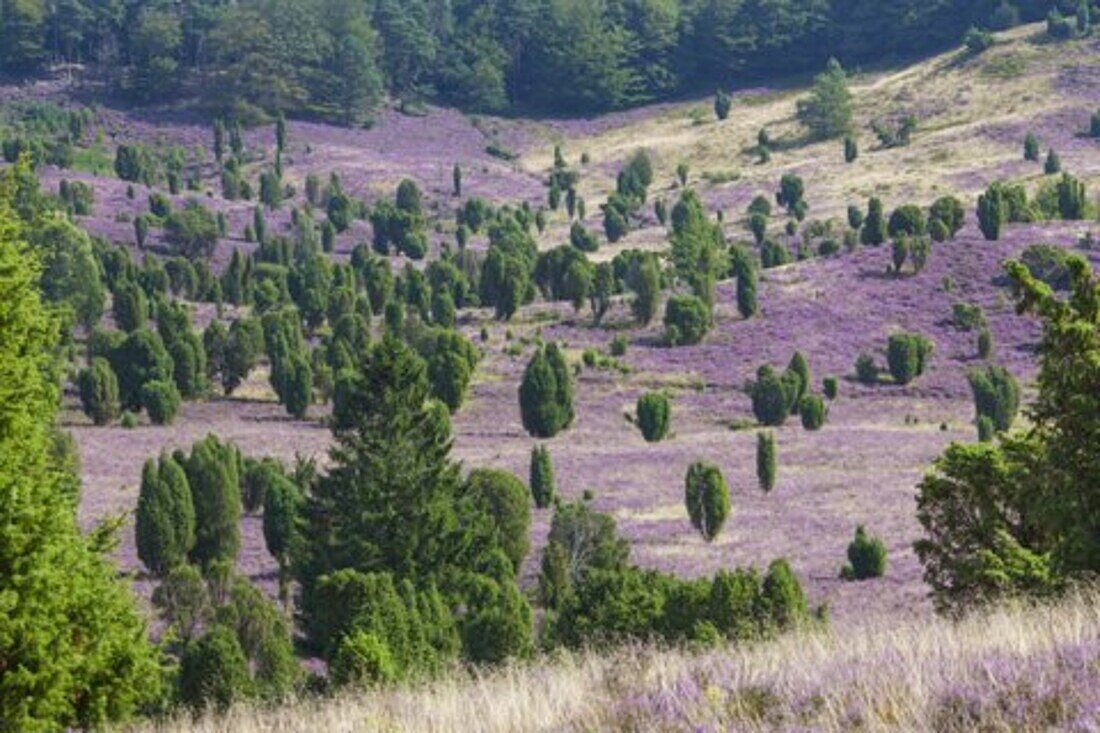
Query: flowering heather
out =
(878, 441)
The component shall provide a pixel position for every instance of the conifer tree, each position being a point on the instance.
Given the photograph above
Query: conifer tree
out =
(542, 477)
(546, 393)
(707, 499)
(99, 392)
(213, 474)
(765, 460)
(164, 523)
(58, 586)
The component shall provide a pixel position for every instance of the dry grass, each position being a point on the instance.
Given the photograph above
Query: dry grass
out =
(875, 678)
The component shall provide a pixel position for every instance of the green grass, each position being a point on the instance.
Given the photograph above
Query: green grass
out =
(1006, 67)
(95, 160)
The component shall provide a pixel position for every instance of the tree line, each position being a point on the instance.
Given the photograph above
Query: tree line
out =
(337, 58)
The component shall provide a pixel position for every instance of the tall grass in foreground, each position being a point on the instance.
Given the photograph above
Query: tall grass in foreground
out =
(1012, 669)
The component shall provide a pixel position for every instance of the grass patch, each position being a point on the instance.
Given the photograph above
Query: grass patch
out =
(1009, 66)
(95, 160)
(719, 177)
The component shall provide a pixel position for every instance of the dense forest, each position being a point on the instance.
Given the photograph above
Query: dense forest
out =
(338, 58)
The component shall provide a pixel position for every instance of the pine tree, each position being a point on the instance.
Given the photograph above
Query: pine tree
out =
(828, 111)
(389, 503)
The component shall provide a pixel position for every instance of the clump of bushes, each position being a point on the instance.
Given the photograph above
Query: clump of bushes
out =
(596, 596)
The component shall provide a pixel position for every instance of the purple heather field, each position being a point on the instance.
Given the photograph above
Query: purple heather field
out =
(862, 468)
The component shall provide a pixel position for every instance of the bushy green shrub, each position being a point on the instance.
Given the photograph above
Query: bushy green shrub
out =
(505, 501)
(213, 671)
(867, 370)
(707, 499)
(813, 412)
(851, 149)
(542, 477)
(1053, 164)
(722, 104)
(907, 355)
(977, 40)
(993, 211)
(687, 320)
(161, 401)
(98, 388)
(773, 395)
(773, 254)
(654, 413)
(766, 460)
(874, 224)
(985, 344)
(908, 220)
(949, 212)
(193, 231)
(1048, 263)
(362, 659)
(164, 522)
(827, 112)
(130, 307)
(986, 429)
(212, 474)
(746, 288)
(1031, 148)
(546, 393)
(996, 395)
(830, 387)
(866, 557)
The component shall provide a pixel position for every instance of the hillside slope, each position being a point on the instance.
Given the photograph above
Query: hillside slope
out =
(861, 469)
